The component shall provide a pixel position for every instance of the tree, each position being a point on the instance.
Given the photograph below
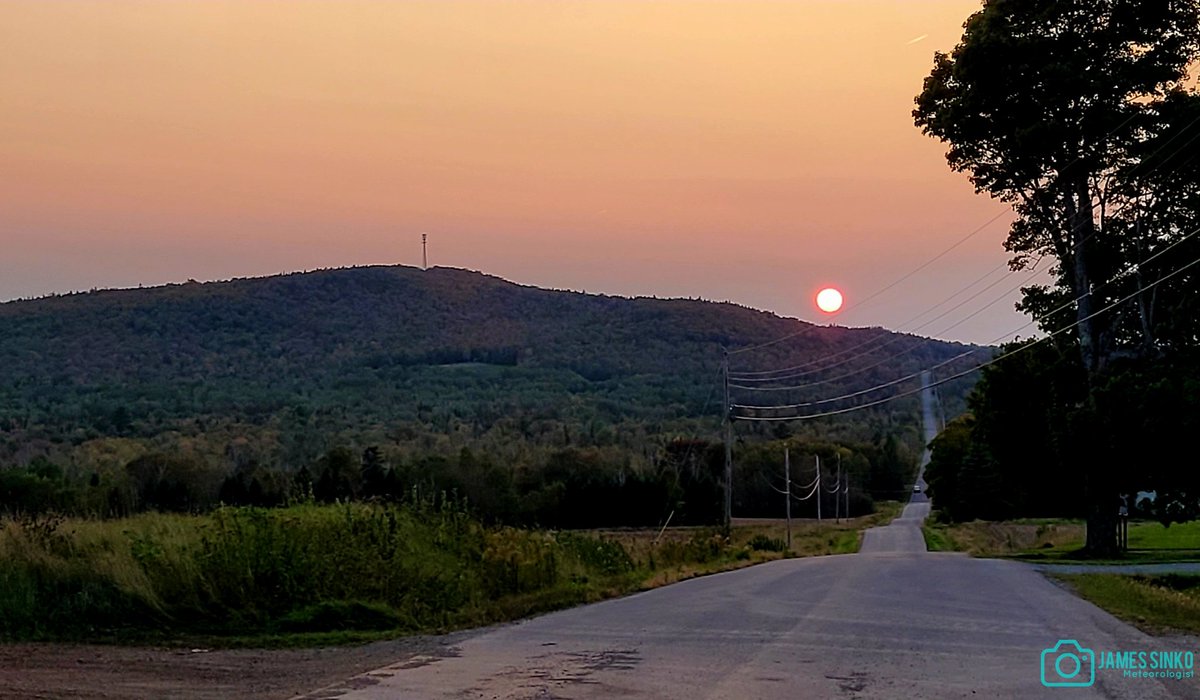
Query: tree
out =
(172, 482)
(692, 474)
(949, 452)
(340, 476)
(891, 470)
(1059, 109)
(1146, 414)
(1023, 408)
(374, 473)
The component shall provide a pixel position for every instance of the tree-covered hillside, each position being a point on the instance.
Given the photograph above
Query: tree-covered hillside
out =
(277, 371)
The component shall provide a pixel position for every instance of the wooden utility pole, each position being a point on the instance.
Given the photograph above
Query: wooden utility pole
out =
(787, 496)
(818, 488)
(845, 488)
(728, 418)
(837, 495)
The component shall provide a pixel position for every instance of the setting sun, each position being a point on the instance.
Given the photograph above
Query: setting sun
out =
(829, 300)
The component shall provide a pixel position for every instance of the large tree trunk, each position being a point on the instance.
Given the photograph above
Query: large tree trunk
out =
(1101, 489)
(1102, 534)
(1102, 515)
(1083, 228)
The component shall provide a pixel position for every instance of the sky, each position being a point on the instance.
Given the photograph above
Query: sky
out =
(744, 151)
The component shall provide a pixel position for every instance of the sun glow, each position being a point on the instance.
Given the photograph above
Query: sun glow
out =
(829, 300)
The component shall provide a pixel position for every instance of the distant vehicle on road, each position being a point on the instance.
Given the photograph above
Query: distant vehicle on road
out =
(916, 488)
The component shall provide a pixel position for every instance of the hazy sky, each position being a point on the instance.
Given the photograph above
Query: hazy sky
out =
(749, 151)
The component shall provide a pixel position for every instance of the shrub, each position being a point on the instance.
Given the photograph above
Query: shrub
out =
(762, 543)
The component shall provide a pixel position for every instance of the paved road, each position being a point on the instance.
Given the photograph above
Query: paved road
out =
(893, 621)
(892, 625)
(904, 533)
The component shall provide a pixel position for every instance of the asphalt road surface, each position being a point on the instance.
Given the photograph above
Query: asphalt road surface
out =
(892, 621)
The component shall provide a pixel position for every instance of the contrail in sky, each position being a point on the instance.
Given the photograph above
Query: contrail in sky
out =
(920, 38)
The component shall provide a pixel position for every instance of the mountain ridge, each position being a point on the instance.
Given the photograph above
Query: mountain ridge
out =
(192, 283)
(422, 360)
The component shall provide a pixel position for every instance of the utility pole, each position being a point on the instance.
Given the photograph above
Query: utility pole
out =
(728, 418)
(818, 488)
(424, 251)
(846, 488)
(937, 392)
(837, 496)
(787, 478)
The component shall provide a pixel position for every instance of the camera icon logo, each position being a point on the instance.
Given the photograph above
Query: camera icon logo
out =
(1068, 665)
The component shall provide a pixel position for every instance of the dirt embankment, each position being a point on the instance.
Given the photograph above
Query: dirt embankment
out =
(137, 673)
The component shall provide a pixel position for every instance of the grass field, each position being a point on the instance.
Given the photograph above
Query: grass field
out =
(1156, 604)
(310, 574)
(1061, 540)
(1006, 538)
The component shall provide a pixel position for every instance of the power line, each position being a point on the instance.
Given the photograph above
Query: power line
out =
(893, 339)
(843, 397)
(982, 365)
(999, 339)
(758, 376)
(971, 352)
(1038, 319)
(781, 374)
(973, 233)
(864, 300)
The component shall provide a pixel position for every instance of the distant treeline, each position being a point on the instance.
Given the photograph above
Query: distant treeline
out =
(567, 488)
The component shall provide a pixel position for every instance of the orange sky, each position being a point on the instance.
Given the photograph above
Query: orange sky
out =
(748, 151)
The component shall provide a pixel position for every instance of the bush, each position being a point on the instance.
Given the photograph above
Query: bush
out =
(762, 543)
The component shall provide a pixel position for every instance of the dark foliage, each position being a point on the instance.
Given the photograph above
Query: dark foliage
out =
(1036, 435)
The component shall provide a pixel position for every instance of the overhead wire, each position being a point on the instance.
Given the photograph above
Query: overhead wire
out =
(943, 253)
(782, 374)
(988, 363)
(758, 376)
(1038, 319)
(880, 292)
(894, 338)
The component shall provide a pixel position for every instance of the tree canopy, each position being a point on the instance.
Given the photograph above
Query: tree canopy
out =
(1078, 114)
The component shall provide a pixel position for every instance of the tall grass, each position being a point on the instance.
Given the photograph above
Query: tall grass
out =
(246, 572)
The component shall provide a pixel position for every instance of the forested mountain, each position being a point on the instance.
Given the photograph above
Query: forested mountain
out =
(279, 370)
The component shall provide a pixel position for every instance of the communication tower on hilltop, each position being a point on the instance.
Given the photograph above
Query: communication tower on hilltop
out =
(424, 251)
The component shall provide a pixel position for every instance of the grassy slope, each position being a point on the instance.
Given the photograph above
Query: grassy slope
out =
(1061, 540)
(1155, 604)
(310, 575)
(1007, 538)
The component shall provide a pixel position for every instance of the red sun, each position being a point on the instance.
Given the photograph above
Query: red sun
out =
(829, 300)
